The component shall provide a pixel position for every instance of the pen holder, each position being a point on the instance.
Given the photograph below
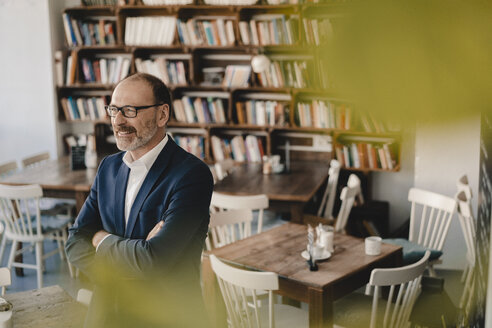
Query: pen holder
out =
(77, 158)
(5, 313)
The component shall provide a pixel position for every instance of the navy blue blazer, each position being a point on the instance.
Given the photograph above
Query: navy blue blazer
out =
(177, 190)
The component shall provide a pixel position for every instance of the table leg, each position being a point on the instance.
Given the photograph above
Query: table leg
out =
(320, 307)
(296, 212)
(214, 303)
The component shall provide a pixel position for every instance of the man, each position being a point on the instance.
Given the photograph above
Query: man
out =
(140, 233)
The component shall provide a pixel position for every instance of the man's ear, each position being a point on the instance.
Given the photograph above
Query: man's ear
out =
(163, 116)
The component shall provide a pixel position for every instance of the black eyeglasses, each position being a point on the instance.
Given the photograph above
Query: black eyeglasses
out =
(127, 111)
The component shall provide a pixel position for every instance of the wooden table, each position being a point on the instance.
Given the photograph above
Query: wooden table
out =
(46, 307)
(279, 250)
(57, 179)
(292, 190)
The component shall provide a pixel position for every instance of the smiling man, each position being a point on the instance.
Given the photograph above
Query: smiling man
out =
(140, 233)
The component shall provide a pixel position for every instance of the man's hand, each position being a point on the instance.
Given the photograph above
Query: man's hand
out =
(155, 230)
(98, 236)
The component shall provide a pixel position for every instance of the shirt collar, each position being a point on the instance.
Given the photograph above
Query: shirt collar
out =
(148, 158)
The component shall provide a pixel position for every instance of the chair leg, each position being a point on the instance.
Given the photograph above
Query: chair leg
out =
(59, 239)
(39, 263)
(2, 247)
(64, 241)
(12, 254)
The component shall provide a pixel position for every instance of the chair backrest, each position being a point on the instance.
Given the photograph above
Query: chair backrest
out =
(228, 226)
(467, 221)
(223, 168)
(354, 182)
(8, 168)
(31, 160)
(326, 208)
(18, 206)
(407, 280)
(237, 286)
(347, 196)
(214, 173)
(432, 213)
(232, 202)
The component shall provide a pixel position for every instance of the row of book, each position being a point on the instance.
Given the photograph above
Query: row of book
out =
(105, 70)
(236, 76)
(365, 156)
(202, 30)
(192, 144)
(369, 123)
(99, 2)
(317, 31)
(199, 110)
(166, 2)
(88, 32)
(269, 29)
(323, 114)
(172, 72)
(282, 74)
(262, 112)
(84, 108)
(150, 31)
(241, 149)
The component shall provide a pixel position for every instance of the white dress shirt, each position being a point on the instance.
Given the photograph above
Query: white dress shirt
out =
(138, 172)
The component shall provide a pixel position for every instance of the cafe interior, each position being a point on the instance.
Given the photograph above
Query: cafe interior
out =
(348, 144)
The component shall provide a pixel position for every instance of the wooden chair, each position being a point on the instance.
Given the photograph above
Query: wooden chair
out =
(326, 208)
(35, 159)
(467, 221)
(21, 216)
(404, 283)
(223, 168)
(236, 285)
(231, 202)
(84, 296)
(228, 226)
(5, 279)
(8, 168)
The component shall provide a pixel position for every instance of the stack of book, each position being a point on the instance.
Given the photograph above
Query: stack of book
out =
(262, 112)
(365, 156)
(172, 72)
(240, 149)
(282, 74)
(88, 32)
(192, 144)
(269, 29)
(199, 110)
(150, 31)
(105, 70)
(99, 2)
(323, 114)
(317, 31)
(166, 2)
(236, 76)
(84, 108)
(230, 2)
(207, 30)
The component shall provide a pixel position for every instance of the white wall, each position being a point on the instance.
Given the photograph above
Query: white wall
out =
(27, 101)
(444, 152)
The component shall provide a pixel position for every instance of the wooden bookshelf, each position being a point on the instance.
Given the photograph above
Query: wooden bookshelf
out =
(204, 65)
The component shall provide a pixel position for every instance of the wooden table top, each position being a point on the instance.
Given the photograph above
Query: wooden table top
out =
(46, 307)
(279, 250)
(300, 184)
(54, 174)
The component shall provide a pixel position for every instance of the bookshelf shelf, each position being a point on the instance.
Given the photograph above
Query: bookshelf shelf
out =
(205, 65)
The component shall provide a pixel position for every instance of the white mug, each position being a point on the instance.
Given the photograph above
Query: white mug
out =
(326, 238)
(373, 245)
(6, 319)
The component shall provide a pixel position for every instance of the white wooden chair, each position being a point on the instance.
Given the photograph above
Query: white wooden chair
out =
(232, 202)
(467, 221)
(21, 216)
(347, 196)
(223, 168)
(7, 168)
(228, 226)
(404, 283)
(326, 208)
(84, 296)
(236, 285)
(5, 279)
(430, 218)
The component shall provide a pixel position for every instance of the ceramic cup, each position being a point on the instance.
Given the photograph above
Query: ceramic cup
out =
(373, 245)
(325, 237)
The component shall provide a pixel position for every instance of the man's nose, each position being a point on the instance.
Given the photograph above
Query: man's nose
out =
(119, 118)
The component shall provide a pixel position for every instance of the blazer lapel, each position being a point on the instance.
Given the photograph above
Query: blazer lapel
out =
(155, 172)
(119, 194)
